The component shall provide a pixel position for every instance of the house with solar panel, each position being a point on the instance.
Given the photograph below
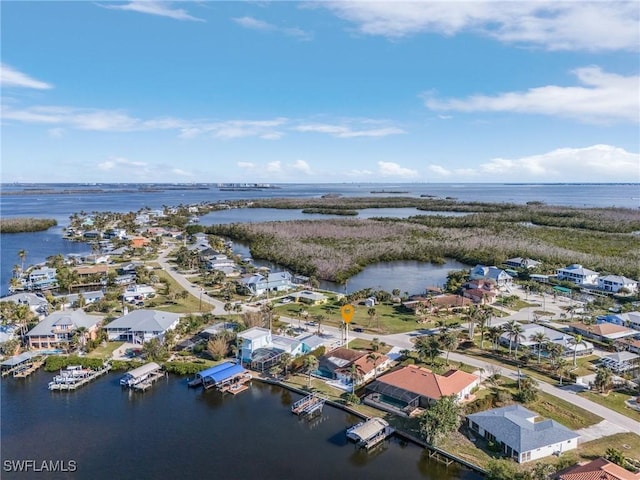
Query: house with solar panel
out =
(522, 434)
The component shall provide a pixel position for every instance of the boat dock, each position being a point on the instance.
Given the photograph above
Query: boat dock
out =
(143, 377)
(74, 377)
(22, 365)
(227, 377)
(308, 405)
(370, 433)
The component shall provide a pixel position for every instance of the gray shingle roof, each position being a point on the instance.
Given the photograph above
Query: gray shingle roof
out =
(145, 321)
(72, 318)
(515, 426)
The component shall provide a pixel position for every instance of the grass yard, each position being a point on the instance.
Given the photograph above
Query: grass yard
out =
(628, 443)
(189, 304)
(106, 351)
(361, 344)
(567, 414)
(614, 401)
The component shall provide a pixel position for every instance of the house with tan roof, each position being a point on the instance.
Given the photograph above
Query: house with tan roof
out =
(598, 469)
(367, 367)
(603, 331)
(403, 391)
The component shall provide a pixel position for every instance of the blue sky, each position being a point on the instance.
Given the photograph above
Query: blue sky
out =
(146, 91)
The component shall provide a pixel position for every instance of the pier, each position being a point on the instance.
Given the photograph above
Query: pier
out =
(22, 365)
(143, 377)
(308, 405)
(370, 433)
(74, 377)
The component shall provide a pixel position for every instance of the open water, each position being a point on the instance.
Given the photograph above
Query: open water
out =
(173, 432)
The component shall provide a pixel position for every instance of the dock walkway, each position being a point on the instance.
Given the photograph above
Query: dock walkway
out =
(69, 382)
(308, 405)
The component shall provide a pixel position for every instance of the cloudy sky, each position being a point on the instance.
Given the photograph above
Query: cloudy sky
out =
(150, 91)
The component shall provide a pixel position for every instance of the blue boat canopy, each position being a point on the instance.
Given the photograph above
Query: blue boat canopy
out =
(226, 374)
(210, 371)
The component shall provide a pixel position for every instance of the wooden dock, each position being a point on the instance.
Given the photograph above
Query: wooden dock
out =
(25, 372)
(308, 405)
(236, 384)
(68, 384)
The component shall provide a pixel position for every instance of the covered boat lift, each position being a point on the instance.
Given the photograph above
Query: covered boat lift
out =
(200, 376)
(370, 433)
(142, 377)
(21, 365)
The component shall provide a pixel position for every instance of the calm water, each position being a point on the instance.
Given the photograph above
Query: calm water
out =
(172, 432)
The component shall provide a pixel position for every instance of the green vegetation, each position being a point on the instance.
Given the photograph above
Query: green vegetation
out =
(614, 401)
(337, 249)
(441, 419)
(106, 351)
(54, 363)
(330, 211)
(22, 224)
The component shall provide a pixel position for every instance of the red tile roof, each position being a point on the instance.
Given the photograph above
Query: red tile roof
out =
(428, 384)
(598, 469)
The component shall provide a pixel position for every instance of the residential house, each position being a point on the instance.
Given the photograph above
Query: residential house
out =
(252, 340)
(138, 292)
(88, 274)
(615, 283)
(139, 242)
(521, 434)
(366, 367)
(310, 342)
(553, 336)
(629, 319)
(621, 362)
(598, 469)
(603, 331)
(495, 274)
(479, 292)
(72, 300)
(36, 302)
(519, 262)
(261, 349)
(310, 298)
(273, 282)
(140, 326)
(410, 388)
(337, 360)
(42, 278)
(577, 274)
(57, 329)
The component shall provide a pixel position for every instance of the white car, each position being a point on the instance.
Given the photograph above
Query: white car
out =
(286, 300)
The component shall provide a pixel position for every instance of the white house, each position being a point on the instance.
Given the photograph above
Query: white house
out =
(138, 292)
(253, 339)
(262, 349)
(577, 274)
(553, 336)
(521, 434)
(494, 274)
(141, 326)
(519, 262)
(273, 282)
(621, 361)
(37, 303)
(614, 283)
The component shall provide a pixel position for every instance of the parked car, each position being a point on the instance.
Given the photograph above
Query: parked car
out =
(358, 329)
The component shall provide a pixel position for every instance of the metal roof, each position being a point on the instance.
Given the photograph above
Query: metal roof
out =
(210, 371)
(143, 370)
(18, 359)
(227, 373)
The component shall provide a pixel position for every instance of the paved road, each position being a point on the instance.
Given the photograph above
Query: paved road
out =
(614, 421)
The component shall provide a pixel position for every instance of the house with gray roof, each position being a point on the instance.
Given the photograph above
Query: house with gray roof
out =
(521, 434)
(577, 274)
(615, 283)
(140, 326)
(274, 282)
(36, 302)
(57, 329)
(493, 274)
(519, 262)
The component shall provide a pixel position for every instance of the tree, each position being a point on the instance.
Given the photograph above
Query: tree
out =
(449, 341)
(576, 342)
(562, 368)
(528, 390)
(371, 312)
(616, 456)
(218, 347)
(494, 335)
(603, 379)
(22, 254)
(442, 418)
(374, 358)
(514, 331)
(540, 338)
(427, 346)
(375, 344)
(285, 361)
(310, 364)
(155, 351)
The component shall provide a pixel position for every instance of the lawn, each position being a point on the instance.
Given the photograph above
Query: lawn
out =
(614, 401)
(106, 351)
(390, 318)
(361, 344)
(628, 443)
(190, 304)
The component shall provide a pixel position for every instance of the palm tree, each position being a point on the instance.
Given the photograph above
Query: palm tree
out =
(285, 361)
(372, 314)
(373, 358)
(449, 341)
(514, 330)
(428, 346)
(355, 373)
(22, 254)
(483, 321)
(540, 338)
(310, 365)
(375, 344)
(82, 336)
(561, 368)
(494, 335)
(319, 319)
(603, 379)
(576, 342)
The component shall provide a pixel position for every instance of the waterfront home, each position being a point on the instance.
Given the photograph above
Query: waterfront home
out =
(58, 329)
(217, 329)
(73, 300)
(273, 282)
(141, 326)
(337, 361)
(480, 296)
(577, 274)
(552, 337)
(633, 345)
(603, 331)
(615, 283)
(138, 292)
(407, 390)
(310, 342)
(261, 349)
(42, 278)
(494, 274)
(252, 340)
(310, 298)
(367, 368)
(598, 469)
(521, 434)
(90, 274)
(35, 301)
(621, 362)
(519, 262)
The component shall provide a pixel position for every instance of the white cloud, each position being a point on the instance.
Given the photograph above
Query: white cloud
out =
(591, 26)
(359, 173)
(119, 162)
(246, 164)
(181, 172)
(10, 77)
(260, 25)
(302, 166)
(604, 163)
(274, 167)
(391, 169)
(160, 8)
(601, 97)
(342, 131)
(56, 132)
